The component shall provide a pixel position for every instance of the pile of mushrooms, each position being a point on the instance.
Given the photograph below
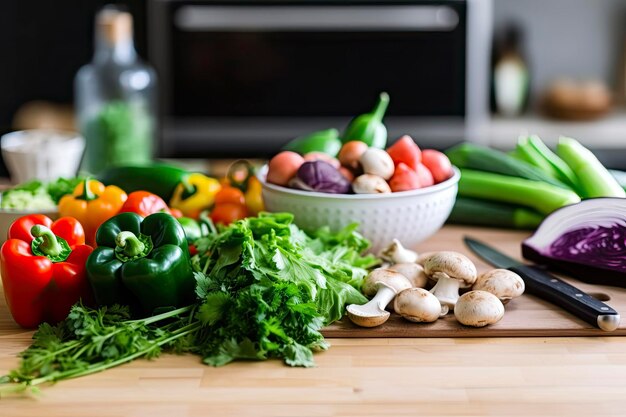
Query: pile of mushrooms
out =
(405, 275)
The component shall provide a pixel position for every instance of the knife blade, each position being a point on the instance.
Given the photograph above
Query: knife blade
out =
(550, 288)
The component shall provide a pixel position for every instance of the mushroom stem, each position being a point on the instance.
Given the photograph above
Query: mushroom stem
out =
(446, 290)
(373, 313)
(375, 306)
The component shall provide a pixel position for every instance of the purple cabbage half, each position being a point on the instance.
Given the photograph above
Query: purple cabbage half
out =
(587, 240)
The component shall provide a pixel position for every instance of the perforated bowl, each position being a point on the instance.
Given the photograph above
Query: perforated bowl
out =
(410, 216)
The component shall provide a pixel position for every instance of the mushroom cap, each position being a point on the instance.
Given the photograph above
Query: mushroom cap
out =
(453, 264)
(418, 305)
(478, 309)
(413, 272)
(366, 320)
(502, 283)
(392, 279)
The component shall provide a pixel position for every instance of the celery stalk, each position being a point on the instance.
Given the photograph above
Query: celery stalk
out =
(593, 177)
(564, 172)
(482, 158)
(620, 177)
(543, 197)
(530, 154)
(490, 213)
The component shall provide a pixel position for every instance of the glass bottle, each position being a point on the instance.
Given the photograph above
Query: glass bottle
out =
(115, 97)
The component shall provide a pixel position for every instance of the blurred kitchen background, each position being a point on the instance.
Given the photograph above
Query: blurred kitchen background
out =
(241, 78)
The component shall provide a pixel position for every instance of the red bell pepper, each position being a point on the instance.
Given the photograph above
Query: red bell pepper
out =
(43, 269)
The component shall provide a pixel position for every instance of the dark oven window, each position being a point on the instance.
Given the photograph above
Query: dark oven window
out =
(217, 72)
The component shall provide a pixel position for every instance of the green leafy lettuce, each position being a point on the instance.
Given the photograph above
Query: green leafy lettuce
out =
(267, 288)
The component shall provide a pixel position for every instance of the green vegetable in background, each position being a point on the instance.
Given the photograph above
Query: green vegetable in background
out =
(620, 177)
(490, 213)
(563, 172)
(544, 198)
(594, 179)
(159, 179)
(325, 141)
(527, 152)
(482, 158)
(37, 195)
(369, 127)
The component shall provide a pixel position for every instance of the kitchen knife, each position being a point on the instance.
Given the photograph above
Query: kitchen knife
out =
(551, 288)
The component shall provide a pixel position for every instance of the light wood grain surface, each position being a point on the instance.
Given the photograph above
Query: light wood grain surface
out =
(541, 376)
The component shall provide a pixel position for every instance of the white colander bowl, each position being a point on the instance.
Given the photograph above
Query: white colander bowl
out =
(410, 216)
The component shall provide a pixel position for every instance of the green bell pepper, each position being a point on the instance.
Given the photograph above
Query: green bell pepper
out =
(325, 141)
(142, 263)
(369, 127)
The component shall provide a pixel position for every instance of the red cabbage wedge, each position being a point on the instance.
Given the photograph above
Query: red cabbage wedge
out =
(586, 240)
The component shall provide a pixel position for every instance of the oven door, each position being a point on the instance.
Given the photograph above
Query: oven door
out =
(243, 78)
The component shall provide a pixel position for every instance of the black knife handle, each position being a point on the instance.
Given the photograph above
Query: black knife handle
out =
(570, 298)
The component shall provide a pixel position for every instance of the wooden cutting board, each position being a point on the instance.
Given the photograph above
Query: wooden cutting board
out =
(525, 316)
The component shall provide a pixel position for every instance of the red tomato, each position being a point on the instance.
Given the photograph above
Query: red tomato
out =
(227, 213)
(438, 164)
(425, 176)
(404, 179)
(144, 203)
(407, 151)
(230, 195)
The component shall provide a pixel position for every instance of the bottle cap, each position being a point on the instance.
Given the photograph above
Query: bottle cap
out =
(115, 25)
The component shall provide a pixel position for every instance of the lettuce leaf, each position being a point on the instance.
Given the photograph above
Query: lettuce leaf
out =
(267, 288)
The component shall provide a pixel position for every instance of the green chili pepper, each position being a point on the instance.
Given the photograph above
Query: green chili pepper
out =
(326, 141)
(142, 263)
(369, 127)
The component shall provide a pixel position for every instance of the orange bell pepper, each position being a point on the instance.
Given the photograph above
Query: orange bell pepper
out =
(92, 205)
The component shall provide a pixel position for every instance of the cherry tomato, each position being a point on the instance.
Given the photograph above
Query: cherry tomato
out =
(425, 176)
(404, 179)
(227, 213)
(230, 195)
(407, 151)
(438, 164)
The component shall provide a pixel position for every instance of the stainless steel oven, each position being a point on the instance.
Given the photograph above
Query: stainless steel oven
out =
(244, 77)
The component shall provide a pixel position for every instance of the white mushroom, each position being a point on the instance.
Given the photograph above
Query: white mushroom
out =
(414, 272)
(422, 257)
(396, 253)
(478, 309)
(377, 162)
(502, 283)
(417, 304)
(451, 271)
(387, 284)
(370, 184)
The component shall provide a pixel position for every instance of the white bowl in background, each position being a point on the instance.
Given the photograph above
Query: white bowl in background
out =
(409, 216)
(42, 154)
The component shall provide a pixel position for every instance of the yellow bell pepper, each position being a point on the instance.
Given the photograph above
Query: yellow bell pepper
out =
(92, 205)
(254, 199)
(194, 194)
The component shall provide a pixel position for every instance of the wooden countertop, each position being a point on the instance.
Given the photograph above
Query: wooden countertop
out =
(372, 377)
